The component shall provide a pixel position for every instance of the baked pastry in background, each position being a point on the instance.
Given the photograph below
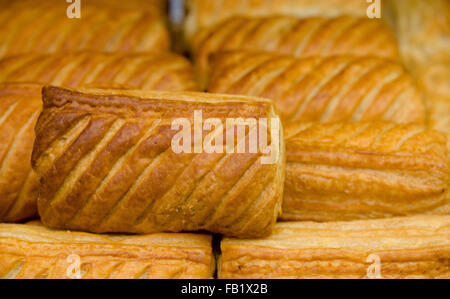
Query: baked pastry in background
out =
(423, 31)
(295, 36)
(205, 13)
(44, 27)
(147, 71)
(336, 88)
(349, 171)
(434, 81)
(409, 247)
(31, 251)
(157, 7)
(107, 163)
(20, 105)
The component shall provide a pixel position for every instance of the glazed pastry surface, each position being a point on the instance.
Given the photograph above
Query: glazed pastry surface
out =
(409, 247)
(30, 251)
(295, 36)
(337, 88)
(347, 171)
(205, 13)
(147, 71)
(107, 164)
(20, 105)
(44, 27)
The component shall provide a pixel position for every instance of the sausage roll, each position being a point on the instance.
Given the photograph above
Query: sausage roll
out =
(30, 251)
(408, 247)
(205, 13)
(126, 161)
(20, 105)
(44, 27)
(336, 88)
(148, 71)
(295, 36)
(349, 171)
(423, 30)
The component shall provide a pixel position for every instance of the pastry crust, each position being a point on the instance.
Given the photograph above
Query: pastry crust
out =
(410, 247)
(434, 81)
(107, 164)
(347, 171)
(337, 88)
(205, 13)
(147, 71)
(295, 36)
(423, 31)
(20, 105)
(33, 251)
(44, 27)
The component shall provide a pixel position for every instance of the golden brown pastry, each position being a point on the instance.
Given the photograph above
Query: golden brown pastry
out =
(109, 161)
(434, 80)
(205, 13)
(20, 105)
(148, 71)
(28, 26)
(158, 7)
(410, 247)
(32, 251)
(347, 171)
(423, 30)
(295, 36)
(336, 88)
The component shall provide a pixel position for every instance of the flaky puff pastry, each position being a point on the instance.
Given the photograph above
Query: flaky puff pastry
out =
(295, 36)
(147, 71)
(409, 247)
(20, 105)
(336, 88)
(423, 31)
(30, 251)
(44, 27)
(157, 7)
(347, 171)
(107, 164)
(205, 13)
(434, 81)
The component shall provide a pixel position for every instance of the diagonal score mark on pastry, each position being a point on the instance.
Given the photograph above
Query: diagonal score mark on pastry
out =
(20, 106)
(338, 88)
(294, 36)
(45, 28)
(416, 247)
(32, 251)
(205, 13)
(148, 71)
(118, 173)
(346, 171)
